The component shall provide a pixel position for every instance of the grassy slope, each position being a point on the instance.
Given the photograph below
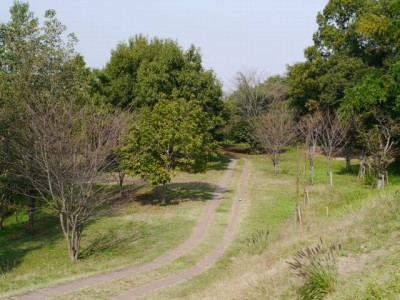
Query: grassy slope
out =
(134, 231)
(366, 223)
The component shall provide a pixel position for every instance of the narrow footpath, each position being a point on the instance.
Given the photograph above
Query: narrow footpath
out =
(206, 262)
(171, 255)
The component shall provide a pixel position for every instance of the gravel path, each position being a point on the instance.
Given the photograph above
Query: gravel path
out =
(206, 262)
(169, 256)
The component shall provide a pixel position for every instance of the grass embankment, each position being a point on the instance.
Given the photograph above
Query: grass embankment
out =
(365, 222)
(132, 231)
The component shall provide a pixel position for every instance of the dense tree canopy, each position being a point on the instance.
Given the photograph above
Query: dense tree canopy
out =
(353, 68)
(355, 49)
(143, 71)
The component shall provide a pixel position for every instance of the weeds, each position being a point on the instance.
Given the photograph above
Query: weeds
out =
(6, 266)
(318, 267)
(258, 242)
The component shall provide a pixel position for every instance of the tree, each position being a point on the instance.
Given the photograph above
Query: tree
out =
(379, 139)
(63, 157)
(54, 138)
(309, 126)
(144, 71)
(356, 43)
(332, 137)
(251, 98)
(275, 129)
(19, 46)
(174, 135)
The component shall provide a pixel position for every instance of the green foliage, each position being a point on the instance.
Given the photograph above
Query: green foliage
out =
(144, 71)
(251, 98)
(318, 267)
(174, 135)
(353, 57)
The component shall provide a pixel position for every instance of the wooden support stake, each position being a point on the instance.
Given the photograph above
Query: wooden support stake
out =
(306, 199)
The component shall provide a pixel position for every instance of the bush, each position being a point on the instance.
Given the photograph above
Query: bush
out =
(318, 268)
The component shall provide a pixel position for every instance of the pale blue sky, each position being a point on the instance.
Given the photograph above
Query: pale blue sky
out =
(233, 35)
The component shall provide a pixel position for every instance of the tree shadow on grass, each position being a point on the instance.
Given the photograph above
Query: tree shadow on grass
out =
(354, 169)
(109, 241)
(16, 243)
(179, 192)
(220, 162)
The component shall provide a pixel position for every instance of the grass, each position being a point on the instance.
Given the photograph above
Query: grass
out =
(365, 222)
(212, 239)
(134, 230)
(318, 268)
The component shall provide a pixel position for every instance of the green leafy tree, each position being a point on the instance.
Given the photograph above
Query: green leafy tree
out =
(144, 71)
(352, 66)
(19, 45)
(172, 136)
(53, 136)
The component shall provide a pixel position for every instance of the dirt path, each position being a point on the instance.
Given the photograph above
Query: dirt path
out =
(197, 235)
(206, 262)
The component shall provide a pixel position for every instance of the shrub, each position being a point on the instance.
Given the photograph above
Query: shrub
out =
(318, 268)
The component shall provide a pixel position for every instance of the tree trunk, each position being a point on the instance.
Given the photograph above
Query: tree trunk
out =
(305, 187)
(312, 171)
(348, 163)
(381, 181)
(275, 161)
(329, 180)
(312, 163)
(297, 208)
(361, 172)
(72, 233)
(31, 214)
(164, 194)
(121, 176)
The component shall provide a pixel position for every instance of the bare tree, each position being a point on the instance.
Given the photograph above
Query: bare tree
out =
(275, 129)
(309, 127)
(63, 152)
(249, 94)
(380, 144)
(332, 137)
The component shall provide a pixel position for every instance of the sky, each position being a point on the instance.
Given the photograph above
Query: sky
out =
(233, 35)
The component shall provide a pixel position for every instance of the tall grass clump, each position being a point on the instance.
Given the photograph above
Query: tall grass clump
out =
(317, 266)
(257, 243)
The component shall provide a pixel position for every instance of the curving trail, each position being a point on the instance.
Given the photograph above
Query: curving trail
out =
(197, 235)
(206, 262)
